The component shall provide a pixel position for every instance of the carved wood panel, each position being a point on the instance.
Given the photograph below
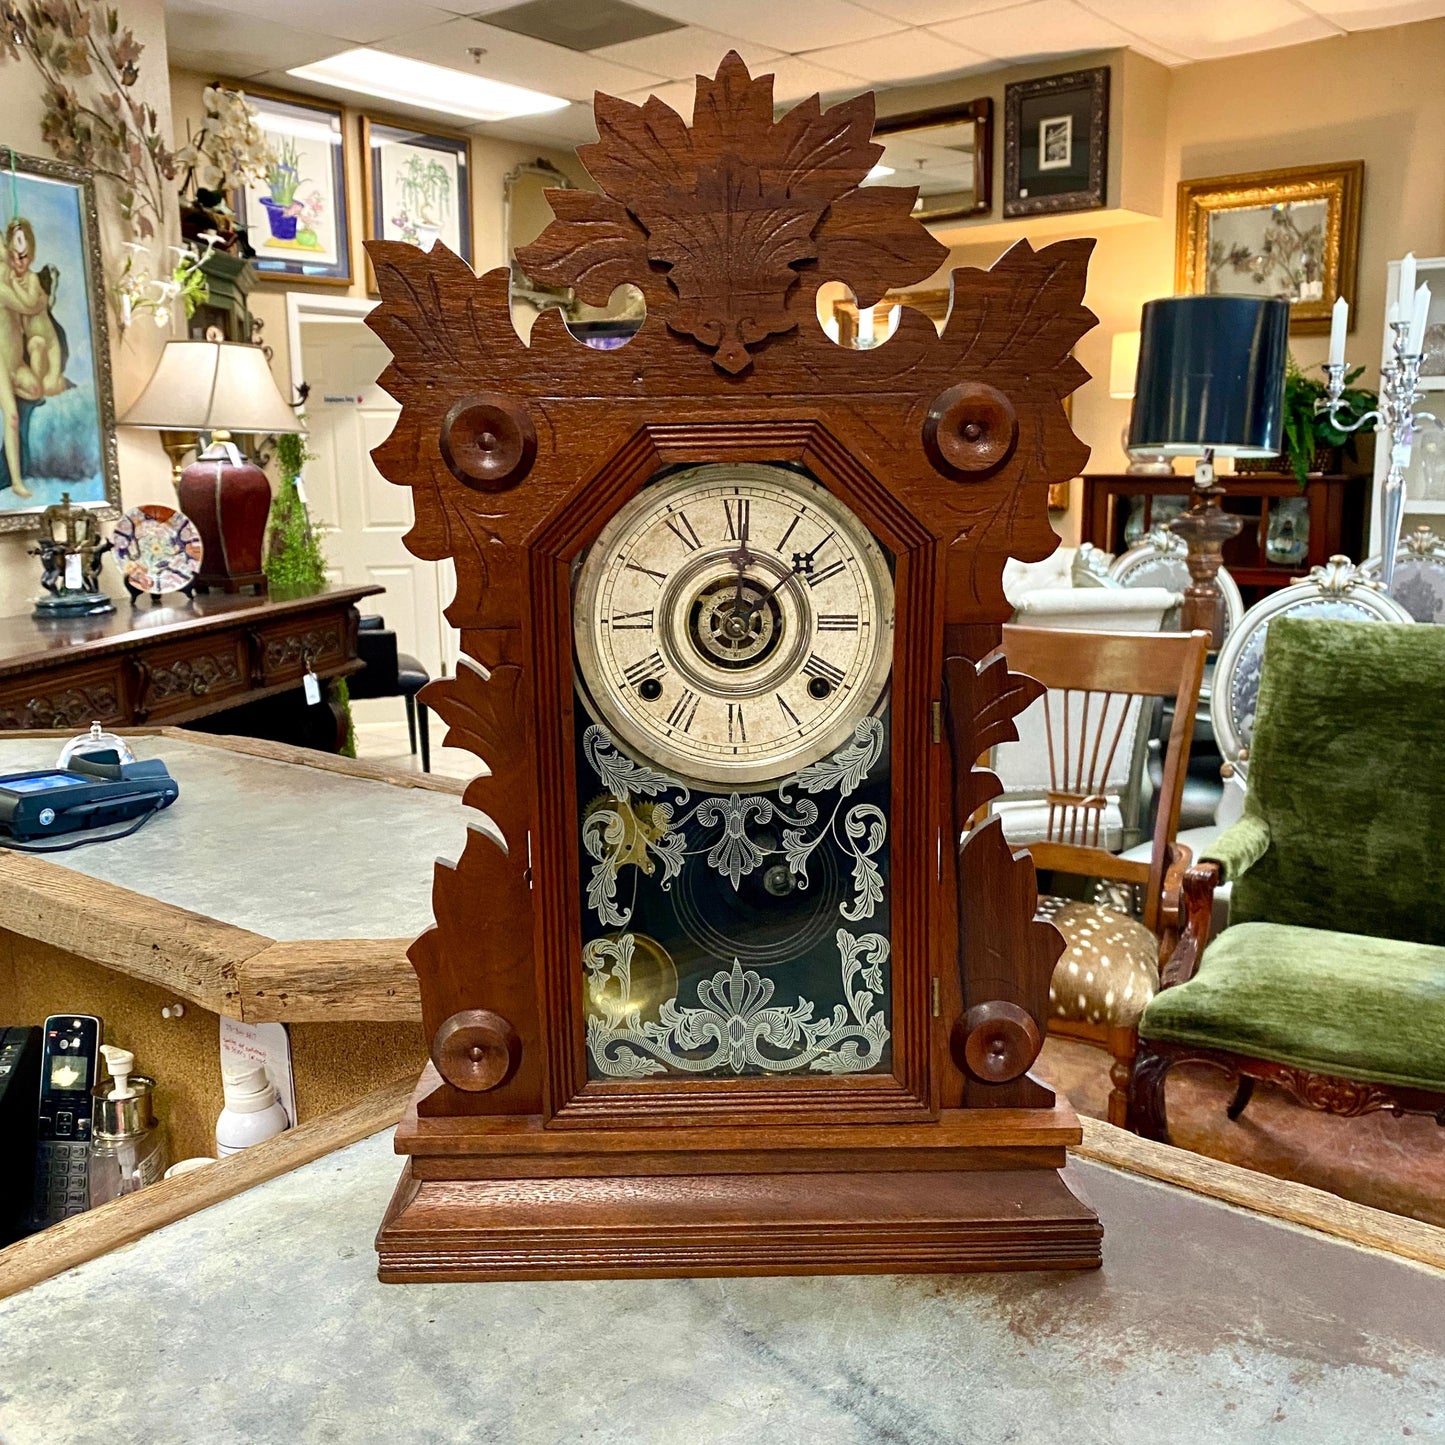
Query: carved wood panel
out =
(176, 680)
(285, 652)
(71, 701)
(517, 454)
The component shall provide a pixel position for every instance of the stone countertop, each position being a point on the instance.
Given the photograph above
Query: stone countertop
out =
(280, 849)
(260, 1322)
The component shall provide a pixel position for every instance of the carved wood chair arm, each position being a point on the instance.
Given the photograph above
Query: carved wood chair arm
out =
(1171, 903)
(1200, 882)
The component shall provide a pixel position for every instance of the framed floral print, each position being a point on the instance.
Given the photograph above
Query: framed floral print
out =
(296, 214)
(57, 415)
(416, 187)
(1292, 233)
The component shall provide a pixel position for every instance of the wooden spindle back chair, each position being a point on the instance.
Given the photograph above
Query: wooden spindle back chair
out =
(1098, 684)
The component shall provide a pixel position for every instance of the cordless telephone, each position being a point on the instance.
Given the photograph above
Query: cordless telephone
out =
(70, 1050)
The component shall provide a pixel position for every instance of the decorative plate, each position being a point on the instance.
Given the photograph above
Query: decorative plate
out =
(157, 548)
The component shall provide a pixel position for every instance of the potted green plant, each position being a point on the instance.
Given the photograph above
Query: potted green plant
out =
(1312, 443)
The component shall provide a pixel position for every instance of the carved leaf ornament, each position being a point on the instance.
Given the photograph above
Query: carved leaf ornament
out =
(717, 223)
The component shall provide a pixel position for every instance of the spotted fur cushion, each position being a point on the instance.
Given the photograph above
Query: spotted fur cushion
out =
(1110, 965)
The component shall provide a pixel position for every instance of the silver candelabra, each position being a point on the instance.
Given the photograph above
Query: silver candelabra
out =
(1395, 414)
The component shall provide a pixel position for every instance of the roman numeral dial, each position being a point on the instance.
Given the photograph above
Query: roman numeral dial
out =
(732, 623)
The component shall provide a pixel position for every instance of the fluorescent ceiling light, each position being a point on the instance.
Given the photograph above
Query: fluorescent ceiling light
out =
(430, 87)
(328, 133)
(877, 173)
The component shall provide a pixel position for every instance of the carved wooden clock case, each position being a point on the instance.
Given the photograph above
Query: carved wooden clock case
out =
(713, 988)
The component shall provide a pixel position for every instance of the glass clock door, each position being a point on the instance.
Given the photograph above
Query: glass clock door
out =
(733, 628)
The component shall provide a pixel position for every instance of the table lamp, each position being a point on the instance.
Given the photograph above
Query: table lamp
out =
(1123, 367)
(220, 387)
(1210, 383)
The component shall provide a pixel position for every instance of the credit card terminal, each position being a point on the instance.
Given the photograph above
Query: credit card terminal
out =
(70, 1051)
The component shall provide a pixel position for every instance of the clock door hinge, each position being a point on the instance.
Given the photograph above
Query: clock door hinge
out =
(936, 709)
(936, 1007)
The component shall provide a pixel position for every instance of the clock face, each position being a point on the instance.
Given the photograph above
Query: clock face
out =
(734, 623)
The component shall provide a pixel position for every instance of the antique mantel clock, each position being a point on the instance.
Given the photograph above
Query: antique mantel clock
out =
(728, 978)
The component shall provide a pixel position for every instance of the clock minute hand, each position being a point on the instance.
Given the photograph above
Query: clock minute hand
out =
(802, 563)
(742, 559)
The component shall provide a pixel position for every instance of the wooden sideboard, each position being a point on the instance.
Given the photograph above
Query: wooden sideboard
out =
(189, 663)
(1337, 511)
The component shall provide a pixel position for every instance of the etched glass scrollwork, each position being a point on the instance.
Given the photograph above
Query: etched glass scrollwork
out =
(734, 934)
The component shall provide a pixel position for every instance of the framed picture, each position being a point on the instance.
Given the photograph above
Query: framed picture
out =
(1292, 233)
(1056, 143)
(296, 216)
(57, 413)
(417, 187)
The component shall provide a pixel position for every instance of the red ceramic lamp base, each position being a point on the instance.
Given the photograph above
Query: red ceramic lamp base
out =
(229, 501)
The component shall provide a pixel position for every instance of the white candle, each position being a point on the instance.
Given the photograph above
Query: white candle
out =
(1339, 320)
(1418, 320)
(1393, 314)
(1407, 280)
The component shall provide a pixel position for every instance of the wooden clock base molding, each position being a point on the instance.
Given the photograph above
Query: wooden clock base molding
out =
(507, 1199)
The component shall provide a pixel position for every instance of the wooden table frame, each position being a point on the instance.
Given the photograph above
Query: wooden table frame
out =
(228, 970)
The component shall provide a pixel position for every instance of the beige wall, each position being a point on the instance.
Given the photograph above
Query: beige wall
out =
(1365, 97)
(144, 470)
(491, 159)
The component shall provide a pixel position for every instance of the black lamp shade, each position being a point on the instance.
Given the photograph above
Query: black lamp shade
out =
(1211, 376)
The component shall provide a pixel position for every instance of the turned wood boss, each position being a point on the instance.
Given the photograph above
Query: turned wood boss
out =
(728, 980)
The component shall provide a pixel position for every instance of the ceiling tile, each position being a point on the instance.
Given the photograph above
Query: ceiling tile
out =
(894, 59)
(1037, 30)
(795, 78)
(1222, 27)
(1372, 14)
(360, 22)
(222, 43)
(792, 25)
(689, 51)
(930, 12)
(679, 94)
(520, 60)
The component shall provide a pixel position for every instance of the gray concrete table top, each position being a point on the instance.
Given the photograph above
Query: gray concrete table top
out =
(283, 850)
(260, 1322)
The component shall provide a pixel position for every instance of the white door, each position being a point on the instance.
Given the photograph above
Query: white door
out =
(363, 516)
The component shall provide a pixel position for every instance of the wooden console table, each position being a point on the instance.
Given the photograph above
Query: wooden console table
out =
(1337, 507)
(181, 664)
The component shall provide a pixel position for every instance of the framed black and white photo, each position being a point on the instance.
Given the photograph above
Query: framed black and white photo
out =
(1056, 143)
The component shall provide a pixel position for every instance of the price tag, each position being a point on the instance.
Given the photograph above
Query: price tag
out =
(73, 579)
(311, 684)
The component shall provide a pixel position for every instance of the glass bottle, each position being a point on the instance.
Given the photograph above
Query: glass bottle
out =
(126, 1149)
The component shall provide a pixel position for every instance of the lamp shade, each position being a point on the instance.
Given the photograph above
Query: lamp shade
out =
(1123, 364)
(1211, 376)
(212, 386)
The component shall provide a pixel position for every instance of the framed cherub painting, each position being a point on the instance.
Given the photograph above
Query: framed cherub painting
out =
(57, 417)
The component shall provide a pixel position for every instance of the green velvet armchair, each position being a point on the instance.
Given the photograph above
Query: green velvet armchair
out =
(1330, 979)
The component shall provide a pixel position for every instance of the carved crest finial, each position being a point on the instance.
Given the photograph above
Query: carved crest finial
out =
(728, 225)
